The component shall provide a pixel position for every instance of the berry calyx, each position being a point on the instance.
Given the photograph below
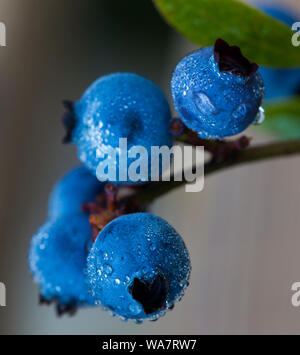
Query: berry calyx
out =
(152, 296)
(68, 120)
(230, 59)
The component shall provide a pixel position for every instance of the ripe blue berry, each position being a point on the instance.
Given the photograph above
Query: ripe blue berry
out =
(57, 259)
(216, 91)
(280, 82)
(138, 266)
(120, 105)
(74, 189)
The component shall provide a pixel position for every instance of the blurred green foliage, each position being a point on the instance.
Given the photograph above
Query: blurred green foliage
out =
(262, 39)
(283, 118)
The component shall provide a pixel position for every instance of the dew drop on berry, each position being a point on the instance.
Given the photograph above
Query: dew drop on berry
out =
(204, 104)
(154, 318)
(260, 116)
(105, 256)
(135, 308)
(152, 247)
(170, 305)
(240, 111)
(107, 269)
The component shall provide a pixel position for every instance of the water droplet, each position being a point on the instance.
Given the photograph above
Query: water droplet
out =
(135, 308)
(170, 305)
(117, 281)
(162, 313)
(154, 318)
(152, 247)
(204, 104)
(260, 116)
(240, 111)
(107, 269)
(105, 256)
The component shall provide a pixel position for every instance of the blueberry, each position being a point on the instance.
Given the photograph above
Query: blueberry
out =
(138, 266)
(216, 91)
(120, 105)
(280, 82)
(57, 259)
(75, 188)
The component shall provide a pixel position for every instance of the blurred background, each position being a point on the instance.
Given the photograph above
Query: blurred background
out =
(242, 230)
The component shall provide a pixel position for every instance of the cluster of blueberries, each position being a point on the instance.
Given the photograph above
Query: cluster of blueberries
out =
(134, 264)
(92, 251)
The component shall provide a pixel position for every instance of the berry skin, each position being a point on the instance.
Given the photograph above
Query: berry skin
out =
(280, 82)
(120, 105)
(75, 188)
(138, 266)
(216, 91)
(57, 260)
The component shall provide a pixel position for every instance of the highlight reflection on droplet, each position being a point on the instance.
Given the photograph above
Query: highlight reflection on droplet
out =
(204, 104)
(260, 116)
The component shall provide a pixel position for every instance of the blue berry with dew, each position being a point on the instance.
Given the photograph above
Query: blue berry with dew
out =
(217, 91)
(280, 83)
(58, 258)
(138, 267)
(120, 105)
(70, 193)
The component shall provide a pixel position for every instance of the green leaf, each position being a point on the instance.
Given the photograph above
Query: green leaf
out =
(262, 39)
(283, 118)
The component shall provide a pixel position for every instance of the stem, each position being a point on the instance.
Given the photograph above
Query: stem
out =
(154, 190)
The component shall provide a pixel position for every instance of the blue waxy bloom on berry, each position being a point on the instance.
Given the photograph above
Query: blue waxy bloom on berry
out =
(121, 105)
(74, 189)
(138, 266)
(57, 261)
(216, 91)
(280, 82)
